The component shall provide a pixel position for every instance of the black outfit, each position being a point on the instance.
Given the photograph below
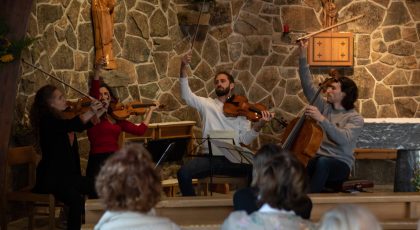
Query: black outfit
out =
(246, 199)
(94, 165)
(59, 171)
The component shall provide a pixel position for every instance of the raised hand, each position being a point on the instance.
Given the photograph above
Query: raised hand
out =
(303, 46)
(185, 61)
(98, 67)
(153, 108)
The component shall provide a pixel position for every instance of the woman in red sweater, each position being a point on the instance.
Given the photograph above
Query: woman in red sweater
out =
(104, 136)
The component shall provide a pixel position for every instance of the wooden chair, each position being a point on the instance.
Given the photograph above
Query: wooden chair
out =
(27, 156)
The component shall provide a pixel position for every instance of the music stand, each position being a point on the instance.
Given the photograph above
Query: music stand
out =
(160, 151)
(222, 143)
(233, 153)
(210, 150)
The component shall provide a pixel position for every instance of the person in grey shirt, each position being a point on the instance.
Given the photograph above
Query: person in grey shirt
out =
(340, 122)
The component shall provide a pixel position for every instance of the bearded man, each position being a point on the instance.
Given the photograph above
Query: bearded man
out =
(213, 119)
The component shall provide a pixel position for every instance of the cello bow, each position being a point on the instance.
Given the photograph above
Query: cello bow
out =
(329, 27)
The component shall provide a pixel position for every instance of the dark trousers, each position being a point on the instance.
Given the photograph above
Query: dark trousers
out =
(95, 163)
(324, 170)
(72, 195)
(199, 167)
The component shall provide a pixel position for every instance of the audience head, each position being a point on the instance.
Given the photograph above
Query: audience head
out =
(128, 180)
(349, 217)
(280, 178)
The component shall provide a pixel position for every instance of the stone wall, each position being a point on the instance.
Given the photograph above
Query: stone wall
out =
(242, 36)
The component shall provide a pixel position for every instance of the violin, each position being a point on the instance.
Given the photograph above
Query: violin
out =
(75, 108)
(237, 105)
(121, 111)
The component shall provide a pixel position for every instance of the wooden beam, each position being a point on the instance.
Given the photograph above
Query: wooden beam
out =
(15, 14)
(375, 154)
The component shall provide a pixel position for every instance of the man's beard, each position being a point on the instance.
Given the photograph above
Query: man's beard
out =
(222, 92)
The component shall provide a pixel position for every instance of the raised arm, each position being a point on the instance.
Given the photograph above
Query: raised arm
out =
(95, 83)
(306, 77)
(190, 98)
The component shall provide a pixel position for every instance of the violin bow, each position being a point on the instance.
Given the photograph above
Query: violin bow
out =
(57, 79)
(197, 25)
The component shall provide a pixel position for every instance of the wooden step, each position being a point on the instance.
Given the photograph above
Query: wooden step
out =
(394, 210)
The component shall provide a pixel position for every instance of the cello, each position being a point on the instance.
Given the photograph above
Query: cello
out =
(303, 136)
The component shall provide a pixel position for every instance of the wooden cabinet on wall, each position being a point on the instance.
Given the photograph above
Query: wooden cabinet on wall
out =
(331, 49)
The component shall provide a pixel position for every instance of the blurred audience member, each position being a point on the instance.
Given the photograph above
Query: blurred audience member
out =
(281, 183)
(349, 217)
(247, 198)
(130, 187)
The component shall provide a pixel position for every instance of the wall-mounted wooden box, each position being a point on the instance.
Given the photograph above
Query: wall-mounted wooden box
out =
(331, 49)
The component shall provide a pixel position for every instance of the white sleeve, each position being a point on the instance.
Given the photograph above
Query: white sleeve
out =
(190, 98)
(246, 133)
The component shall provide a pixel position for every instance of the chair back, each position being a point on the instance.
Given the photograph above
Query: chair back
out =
(25, 155)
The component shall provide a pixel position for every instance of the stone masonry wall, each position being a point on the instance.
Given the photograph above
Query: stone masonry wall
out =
(243, 36)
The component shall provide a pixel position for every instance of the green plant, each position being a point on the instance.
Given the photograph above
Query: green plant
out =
(9, 49)
(415, 180)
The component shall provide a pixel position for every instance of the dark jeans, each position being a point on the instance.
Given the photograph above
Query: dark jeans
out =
(324, 170)
(95, 163)
(199, 167)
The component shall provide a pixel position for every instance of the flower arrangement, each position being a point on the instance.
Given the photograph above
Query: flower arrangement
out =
(10, 50)
(415, 180)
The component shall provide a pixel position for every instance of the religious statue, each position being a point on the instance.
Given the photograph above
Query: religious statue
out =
(330, 13)
(103, 25)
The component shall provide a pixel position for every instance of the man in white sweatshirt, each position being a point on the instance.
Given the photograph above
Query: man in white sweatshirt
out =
(213, 119)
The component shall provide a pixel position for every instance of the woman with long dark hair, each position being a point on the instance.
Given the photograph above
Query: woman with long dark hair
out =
(59, 172)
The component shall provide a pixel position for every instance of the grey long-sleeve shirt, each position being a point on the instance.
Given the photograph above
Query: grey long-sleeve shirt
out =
(341, 128)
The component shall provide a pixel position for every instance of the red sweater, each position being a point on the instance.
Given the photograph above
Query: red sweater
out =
(103, 137)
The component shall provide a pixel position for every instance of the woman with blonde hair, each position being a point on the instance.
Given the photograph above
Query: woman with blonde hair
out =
(349, 217)
(130, 187)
